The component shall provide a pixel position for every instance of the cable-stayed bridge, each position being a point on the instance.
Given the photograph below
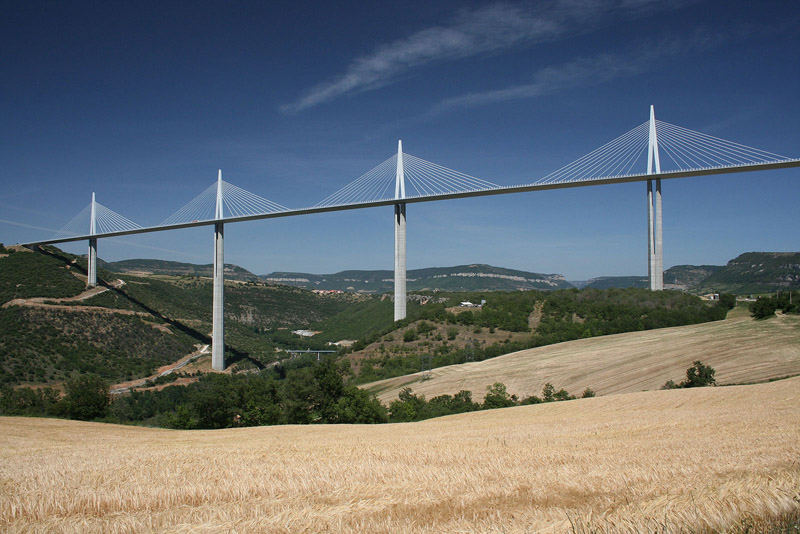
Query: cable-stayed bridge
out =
(650, 152)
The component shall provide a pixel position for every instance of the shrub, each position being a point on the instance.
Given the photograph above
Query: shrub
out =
(698, 375)
(763, 308)
(409, 335)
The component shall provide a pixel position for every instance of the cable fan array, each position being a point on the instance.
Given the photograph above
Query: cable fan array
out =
(422, 178)
(236, 202)
(680, 149)
(106, 221)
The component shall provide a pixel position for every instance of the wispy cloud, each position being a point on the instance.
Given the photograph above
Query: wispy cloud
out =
(470, 33)
(586, 71)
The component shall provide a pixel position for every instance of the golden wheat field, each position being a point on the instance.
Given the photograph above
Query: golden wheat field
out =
(741, 349)
(662, 460)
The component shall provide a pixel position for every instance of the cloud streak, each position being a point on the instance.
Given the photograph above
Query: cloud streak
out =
(472, 32)
(585, 71)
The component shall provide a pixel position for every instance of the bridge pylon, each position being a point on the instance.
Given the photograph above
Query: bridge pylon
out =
(655, 250)
(400, 238)
(218, 306)
(91, 259)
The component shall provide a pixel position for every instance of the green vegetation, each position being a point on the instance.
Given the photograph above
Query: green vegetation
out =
(411, 407)
(305, 395)
(697, 376)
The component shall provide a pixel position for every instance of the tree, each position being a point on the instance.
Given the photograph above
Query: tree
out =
(407, 407)
(548, 393)
(498, 397)
(699, 375)
(86, 397)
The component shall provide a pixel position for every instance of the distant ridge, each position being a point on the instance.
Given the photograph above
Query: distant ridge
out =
(751, 272)
(474, 277)
(174, 268)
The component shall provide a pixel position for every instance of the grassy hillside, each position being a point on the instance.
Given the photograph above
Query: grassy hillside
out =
(476, 277)
(708, 459)
(741, 349)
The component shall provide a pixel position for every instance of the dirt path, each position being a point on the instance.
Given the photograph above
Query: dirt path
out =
(124, 387)
(45, 303)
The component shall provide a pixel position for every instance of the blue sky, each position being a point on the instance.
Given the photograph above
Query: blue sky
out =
(142, 103)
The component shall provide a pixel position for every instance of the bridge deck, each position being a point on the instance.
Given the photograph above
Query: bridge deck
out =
(431, 198)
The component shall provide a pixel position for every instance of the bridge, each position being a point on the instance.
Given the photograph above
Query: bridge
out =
(635, 156)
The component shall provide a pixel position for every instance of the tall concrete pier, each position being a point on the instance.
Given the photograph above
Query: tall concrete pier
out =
(655, 251)
(400, 238)
(218, 307)
(91, 259)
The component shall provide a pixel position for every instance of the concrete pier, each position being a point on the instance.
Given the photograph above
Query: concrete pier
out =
(218, 306)
(91, 258)
(218, 313)
(658, 240)
(91, 270)
(655, 251)
(400, 238)
(399, 261)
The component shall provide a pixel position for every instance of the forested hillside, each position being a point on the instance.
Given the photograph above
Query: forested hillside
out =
(443, 333)
(174, 268)
(138, 323)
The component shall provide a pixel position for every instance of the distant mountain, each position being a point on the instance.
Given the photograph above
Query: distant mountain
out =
(174, 268)
(476, 277)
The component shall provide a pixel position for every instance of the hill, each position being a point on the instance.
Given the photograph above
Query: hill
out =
(756, 272)
(476, 277)
(741, 349)
(695, 460)
(174, 268)
(751, 272)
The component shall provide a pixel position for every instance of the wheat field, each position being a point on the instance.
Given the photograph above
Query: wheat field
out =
(700, 459)
(739, 348)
